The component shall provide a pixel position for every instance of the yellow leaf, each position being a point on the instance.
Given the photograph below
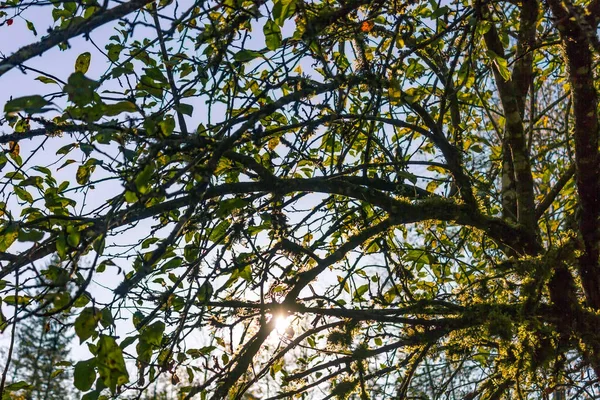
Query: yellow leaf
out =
(82, 64)
(14, 148)
(273, 143)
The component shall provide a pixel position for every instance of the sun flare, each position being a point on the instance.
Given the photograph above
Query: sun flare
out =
(282, 323)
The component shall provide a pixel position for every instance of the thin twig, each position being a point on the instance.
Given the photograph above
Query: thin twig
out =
(12, 334)
(169, 68)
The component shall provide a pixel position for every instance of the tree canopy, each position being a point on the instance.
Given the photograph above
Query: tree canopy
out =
(313, 199)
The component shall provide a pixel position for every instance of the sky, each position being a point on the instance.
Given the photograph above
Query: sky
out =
(18, 83)
(61, 64)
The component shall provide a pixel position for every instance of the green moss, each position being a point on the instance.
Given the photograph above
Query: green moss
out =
(500, 325)
(343, 389)
(340, 338)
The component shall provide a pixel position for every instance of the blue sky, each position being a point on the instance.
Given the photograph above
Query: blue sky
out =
(15, 83)
(61, 64)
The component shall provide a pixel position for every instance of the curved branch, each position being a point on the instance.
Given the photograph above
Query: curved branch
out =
(402, 212)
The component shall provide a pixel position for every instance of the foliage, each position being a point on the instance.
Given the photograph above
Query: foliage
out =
(413, 186)
(40, 369)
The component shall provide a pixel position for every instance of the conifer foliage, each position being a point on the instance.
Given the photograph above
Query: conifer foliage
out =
(42, 358)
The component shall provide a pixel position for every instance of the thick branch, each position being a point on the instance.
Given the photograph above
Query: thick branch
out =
(579, 59)
(402, 212)
(515, 133)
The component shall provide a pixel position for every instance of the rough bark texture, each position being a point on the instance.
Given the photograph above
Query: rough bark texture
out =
(516, 163)
(578, 54)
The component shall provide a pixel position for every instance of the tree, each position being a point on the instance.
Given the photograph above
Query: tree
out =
(413, 186)
(42, 353)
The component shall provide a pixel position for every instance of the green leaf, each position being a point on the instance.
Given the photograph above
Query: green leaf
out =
(219, 231)
(86, 322)
(282, 10)
(99, 245)
(29, 104)
(246, 55)
(12, 300)
(151, 86)
(31, 27)
(46, 80)
(114, 50)
(7, 236)
(501, 65)
(36, 181)
(156, 74)
(23, 194)
(152, 334)
(106, 318)
(82, 64)
(228, 205)
(61, 300)
(93, 395)
(84, 374)
(407, 175)
(83, 173)
(185, 109)
(204, 351)
(110, 363)
(89, 11)
(138, 317)
(87, 150)
(127, 341)
(246, 273)
(18, 386)
(272, 33)
(61, 246)
(143, 179)
(56, 373)
(73, 236)
(130, 197)
(30, 235)
(81, 90)
(175, 262)
(207, 349)
(82, 300)
(167, 125)
(360, 291)
(205, 292)
(118, 108)
(65, 149)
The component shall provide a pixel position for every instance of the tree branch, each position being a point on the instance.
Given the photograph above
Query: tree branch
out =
(579, 58)
(77, 28)
(551, 195)
(515, 133)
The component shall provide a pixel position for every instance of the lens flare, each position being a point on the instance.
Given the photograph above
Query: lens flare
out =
(282, 323)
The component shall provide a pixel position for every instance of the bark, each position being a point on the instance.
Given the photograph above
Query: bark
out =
(579, 58)
(517, 178)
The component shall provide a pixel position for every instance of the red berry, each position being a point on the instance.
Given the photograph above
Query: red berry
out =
(9, 22)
